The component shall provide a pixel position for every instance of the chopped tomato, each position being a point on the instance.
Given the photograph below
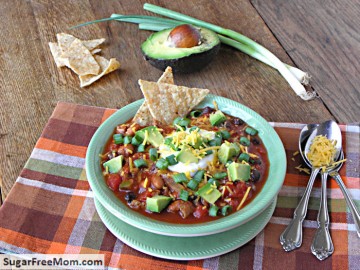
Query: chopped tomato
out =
(113, 181)
(200, 211)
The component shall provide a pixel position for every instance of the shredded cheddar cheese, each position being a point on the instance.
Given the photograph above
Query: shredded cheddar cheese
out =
(322, 151)
(243, 199)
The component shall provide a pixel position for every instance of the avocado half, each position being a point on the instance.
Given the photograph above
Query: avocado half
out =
(158, 53)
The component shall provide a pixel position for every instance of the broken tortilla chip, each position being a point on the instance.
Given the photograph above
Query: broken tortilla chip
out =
(106, 67)
(56, 53)
(143, 116)
(81, 61)
(166, 101)
(65, 40)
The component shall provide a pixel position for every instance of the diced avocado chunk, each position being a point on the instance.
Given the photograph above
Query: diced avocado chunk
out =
(157, 203)
(209, 193)
(217, 118)
(154, 136)
(238, 171)
(114, 165)
(127, 184)
(186, 156)
(227, 151)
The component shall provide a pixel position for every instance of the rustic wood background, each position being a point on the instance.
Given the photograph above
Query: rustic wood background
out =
(319, 37)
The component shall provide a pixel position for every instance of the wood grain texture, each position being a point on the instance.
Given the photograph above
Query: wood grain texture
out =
(330, 47)
(31, 84)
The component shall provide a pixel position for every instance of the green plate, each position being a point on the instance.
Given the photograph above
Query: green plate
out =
(276, 155)
(185, 248)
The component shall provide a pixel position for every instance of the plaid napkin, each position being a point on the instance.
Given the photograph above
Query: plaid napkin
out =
(51, 208)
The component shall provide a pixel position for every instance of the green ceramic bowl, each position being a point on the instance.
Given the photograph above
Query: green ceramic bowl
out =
(276, 155)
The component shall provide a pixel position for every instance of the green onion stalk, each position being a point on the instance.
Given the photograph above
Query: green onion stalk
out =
(294, 76)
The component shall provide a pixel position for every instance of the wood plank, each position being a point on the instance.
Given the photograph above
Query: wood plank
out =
(322, 38)
(31, 84)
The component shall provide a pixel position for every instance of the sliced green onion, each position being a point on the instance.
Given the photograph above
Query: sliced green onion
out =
(208, 152)
(213, 210)
(251, 131)
(141, 148)
(192, 184)
(136, 141)
(220, 175)
(180, 121)
(225, 210)
(140, 163)
(225, 134)
(118, 138)
(162, 164)
(153, 154)
(244, 157)
(193, 128)
(212, 180)
(195, 113)
(127, 139)
(216, 141)
(184, 195)
(180, 177)
(199, 175)
(171, 160)
(244, 141)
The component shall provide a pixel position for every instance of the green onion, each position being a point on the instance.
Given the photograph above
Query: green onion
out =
(171, 160)
(244, 141)
(208, 152)
(180, 121)
(213, 210)
(180, 177)
(192, 184)
(141, 148)
(193, 128)
(224, 134)
(140, 163)
(225, 210)
(216, 141)
(184, 195)
(118, 138)
(288, 76)
(199, 175)
(127, 139)
(212, 180)
(195, 113)
(244, 157)
(251, 131)
(162, 164)
(220, 175)
(136, 141)
(153, 154)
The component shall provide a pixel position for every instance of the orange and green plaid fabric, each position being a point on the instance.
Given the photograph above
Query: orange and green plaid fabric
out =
(51, 208)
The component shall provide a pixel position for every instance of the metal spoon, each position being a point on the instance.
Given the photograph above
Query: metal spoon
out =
(291, 238)
(322, 245)
(334, 174)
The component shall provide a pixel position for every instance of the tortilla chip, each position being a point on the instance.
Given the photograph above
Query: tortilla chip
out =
(65, 40)
(167, 76)
(166, 101)
(56, 53)
(106, 67)
(143, 116)
(81, 61)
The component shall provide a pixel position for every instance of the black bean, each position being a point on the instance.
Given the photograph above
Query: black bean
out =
(206, 110)
(255, 161)
(130, 196)
(255, 141)
(192, 197)
(255, 175)
(238, 121)
(227, 124)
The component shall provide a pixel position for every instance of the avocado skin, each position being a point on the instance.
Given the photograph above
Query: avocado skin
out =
(189, 64)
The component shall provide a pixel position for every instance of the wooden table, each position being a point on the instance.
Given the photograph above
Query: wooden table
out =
(315, 36)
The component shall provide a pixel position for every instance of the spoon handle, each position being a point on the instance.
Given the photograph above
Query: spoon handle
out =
(354, 211)
(322, 245)
(291, 238)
